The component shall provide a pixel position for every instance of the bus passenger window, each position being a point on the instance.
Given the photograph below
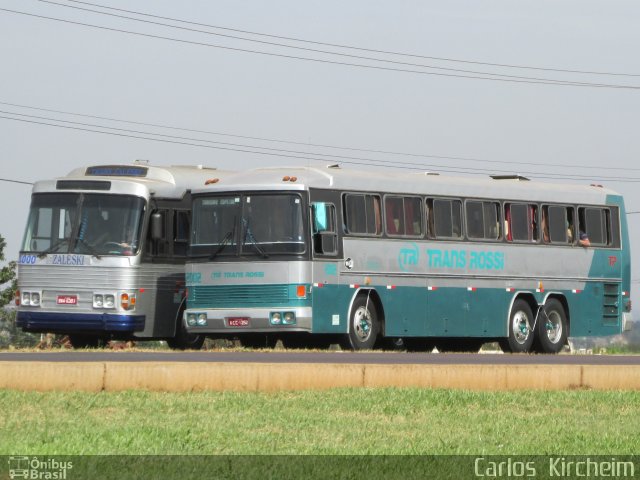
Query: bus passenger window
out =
(483, 220)
(445, 218)
(520, 218)
(403, 216)
(595, 224)
(557, 222)
(363, 214)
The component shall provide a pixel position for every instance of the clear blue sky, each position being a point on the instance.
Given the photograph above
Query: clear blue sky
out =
(574, 130)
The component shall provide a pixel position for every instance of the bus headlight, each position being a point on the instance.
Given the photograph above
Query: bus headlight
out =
(109, 301)
(192, 319)
(26, 298)
(104, 300)
(202, 319)
(275, 318)
(289, 318)
(29, 299)
(98, 301)
(35, 299)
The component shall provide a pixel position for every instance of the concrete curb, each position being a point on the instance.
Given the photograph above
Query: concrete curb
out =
(270, 377)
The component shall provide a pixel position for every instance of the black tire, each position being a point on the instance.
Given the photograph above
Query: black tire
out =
(364, 326)
(551, 330)
(82, 340)
(183, 339)
(257, 340)
(417, 344)
(521, 335)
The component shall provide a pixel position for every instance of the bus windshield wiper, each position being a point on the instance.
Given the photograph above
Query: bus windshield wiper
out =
(225, 241)
(248, 234)
(53, 247)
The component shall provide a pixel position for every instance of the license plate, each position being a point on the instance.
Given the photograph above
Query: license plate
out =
(238, 322)
(67, 300)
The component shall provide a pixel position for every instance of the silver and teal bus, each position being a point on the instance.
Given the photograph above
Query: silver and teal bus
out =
(104, 251)
(313, 256)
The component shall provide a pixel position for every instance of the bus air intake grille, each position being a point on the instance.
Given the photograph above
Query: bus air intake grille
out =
(231, 296)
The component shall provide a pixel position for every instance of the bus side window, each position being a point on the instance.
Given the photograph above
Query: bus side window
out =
(483, 220)
(596, 224)
(520, 219)
(559, 222)
(363, 214)
(444, 218)
(325, 238)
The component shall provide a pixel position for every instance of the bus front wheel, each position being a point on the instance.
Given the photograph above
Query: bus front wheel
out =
(521, 335)
(184, 340)
(364, 326)
(552, 327)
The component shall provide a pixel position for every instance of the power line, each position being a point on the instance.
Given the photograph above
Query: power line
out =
(9, 180)
(350, 47)
(306, 144)
(332, 62)
(300, 155)
(314, 50)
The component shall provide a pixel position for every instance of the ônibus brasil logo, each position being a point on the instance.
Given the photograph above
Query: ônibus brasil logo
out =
(34, 468)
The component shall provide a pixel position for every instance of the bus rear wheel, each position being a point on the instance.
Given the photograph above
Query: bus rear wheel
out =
(521, 335)
(364, 326)
(552, 327)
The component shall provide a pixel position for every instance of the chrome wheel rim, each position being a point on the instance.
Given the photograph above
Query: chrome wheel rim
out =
(520, 327)
(553, 327)
(362, 324)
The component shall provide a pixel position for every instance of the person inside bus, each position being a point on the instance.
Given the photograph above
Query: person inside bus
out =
(583, 239)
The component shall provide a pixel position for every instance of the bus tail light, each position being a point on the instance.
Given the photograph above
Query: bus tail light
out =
(17, 298)
(128, 302)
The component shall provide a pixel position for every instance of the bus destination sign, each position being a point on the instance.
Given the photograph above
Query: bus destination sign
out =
(117, 171)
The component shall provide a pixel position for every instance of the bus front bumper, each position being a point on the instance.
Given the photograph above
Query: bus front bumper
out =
(78, 322)
(246, 320)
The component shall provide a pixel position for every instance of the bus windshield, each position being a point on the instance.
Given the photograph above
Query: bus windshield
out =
(250, 224)
(82, 223)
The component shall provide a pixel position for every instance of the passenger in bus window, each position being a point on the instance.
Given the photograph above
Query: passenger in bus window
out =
(545, 226)
(583, 239)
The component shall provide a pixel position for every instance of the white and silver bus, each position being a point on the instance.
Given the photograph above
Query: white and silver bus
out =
(103, 254)
(317, 255)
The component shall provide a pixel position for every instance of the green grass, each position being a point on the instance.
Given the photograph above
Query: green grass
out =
(342, 421)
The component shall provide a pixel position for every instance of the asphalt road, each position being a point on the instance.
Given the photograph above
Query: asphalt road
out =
(332, 357)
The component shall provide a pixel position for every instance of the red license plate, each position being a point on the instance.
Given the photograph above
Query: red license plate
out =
(67, 300)
(238, 322)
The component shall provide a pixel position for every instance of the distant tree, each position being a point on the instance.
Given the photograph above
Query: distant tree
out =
(8, 281)
(10, 335)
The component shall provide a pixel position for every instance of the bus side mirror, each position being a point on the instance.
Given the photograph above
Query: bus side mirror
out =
(157, 226)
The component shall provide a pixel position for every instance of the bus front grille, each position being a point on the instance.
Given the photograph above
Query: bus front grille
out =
(237, 296)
